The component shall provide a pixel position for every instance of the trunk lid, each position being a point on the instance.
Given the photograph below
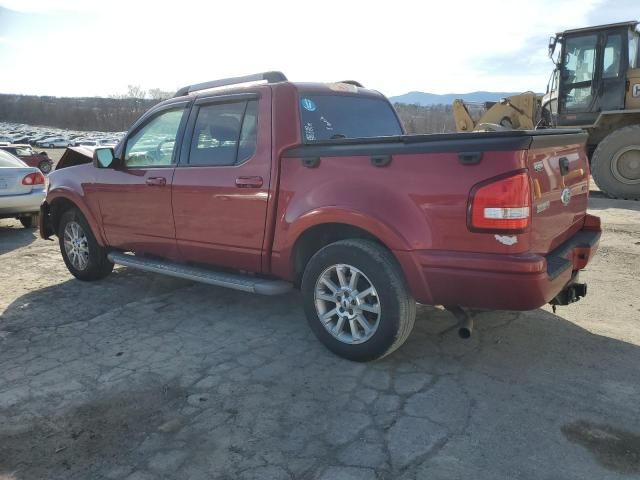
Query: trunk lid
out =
(11, 180)
(559, 170)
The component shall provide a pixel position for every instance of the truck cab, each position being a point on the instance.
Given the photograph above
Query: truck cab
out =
(596, 71)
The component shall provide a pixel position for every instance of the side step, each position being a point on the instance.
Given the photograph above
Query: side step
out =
(246, 283)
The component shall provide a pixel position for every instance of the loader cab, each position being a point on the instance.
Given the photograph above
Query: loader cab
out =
(591, 71)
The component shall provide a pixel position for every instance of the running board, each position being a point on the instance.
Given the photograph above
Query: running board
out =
(236, 281)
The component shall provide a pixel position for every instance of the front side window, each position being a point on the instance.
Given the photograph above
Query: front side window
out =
(578, 71)
(329, 117)
(611, 57)
(153, 145)
(224, 134)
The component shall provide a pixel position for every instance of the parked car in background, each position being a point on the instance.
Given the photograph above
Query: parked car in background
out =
(28, 156)
(22, 190)
(55, 142)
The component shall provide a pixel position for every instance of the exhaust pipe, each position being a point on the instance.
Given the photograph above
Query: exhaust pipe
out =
(465, 321)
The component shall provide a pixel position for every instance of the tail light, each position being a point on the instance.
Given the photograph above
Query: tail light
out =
(502, 205)
(35, 178)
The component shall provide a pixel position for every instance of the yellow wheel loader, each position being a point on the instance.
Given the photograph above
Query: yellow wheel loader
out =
(595, 86)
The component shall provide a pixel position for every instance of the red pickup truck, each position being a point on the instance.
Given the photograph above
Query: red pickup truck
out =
(264, 185)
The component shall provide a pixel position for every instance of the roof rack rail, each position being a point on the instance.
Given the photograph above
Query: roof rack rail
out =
(352, 82)
(270, 77)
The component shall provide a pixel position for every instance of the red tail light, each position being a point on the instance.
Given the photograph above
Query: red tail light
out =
(501, 205)
(35, 178)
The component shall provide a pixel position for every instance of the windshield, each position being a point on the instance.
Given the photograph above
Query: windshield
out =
(327, 117)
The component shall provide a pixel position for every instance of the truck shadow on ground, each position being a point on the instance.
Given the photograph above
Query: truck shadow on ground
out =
(234, 381)
(14, 236)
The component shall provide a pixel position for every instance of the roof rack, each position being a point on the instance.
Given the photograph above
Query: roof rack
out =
(270, 77)
(352, 82)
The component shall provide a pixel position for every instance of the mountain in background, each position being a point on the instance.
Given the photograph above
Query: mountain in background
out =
(427, 99)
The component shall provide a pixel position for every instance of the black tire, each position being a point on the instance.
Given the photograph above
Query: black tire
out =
(45, 166)
(397, 306)
(97, 266)
(30, 221)
(602, 162)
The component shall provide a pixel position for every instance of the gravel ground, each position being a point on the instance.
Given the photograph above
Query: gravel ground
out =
(140, 376)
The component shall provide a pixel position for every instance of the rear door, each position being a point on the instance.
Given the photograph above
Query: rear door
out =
(135, 200)
(221, 187)
(559, 169)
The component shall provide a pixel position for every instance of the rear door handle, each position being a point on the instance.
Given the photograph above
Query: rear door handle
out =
(157, 181)
(249, 182)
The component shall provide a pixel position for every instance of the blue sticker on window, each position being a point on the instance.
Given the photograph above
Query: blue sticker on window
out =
(308, 104)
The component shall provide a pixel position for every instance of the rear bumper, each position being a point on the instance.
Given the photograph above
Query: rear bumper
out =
(499, 282)
(22, 204)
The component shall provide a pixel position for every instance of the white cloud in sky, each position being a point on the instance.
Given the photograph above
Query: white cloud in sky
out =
(86, 47)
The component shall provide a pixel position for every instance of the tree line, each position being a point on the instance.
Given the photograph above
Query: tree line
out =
(118, 112)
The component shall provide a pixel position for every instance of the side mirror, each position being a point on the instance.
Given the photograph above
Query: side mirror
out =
(104, 157)
(552, 45)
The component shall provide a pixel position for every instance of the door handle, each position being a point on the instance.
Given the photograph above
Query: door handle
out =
(157, 181)
(249, 182)
(564, 166)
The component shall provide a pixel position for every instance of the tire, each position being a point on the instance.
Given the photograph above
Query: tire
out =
(89, 261)
(30, 221)
(45, 166)
(608, 155)
(375, 266)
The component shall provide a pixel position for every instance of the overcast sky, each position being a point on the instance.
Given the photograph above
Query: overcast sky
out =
(88, 47)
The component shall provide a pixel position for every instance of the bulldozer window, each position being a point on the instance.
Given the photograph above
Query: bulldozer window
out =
(611, 61)
(578, 71)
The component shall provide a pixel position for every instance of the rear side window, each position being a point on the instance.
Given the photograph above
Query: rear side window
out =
(8, 160)
(328, 117)
(224, 134)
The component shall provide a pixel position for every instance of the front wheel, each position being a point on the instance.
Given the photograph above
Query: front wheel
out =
(356, 300)
(84, 257)
(615, 164)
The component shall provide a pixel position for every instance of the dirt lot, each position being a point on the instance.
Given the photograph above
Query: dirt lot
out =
(140, 376)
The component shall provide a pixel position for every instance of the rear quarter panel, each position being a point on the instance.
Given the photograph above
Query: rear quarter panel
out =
(417, 202)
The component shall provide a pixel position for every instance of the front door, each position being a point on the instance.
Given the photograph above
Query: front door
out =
(614, 68)
(221, 186)
(577, 95)
(135, 199)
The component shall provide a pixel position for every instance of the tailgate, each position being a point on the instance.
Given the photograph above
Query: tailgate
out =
(559, 170)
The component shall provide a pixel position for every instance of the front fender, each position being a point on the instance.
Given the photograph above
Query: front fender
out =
(79, 201)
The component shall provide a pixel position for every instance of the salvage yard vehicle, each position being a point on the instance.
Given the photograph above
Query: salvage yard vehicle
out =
(22, 190)
(28, 156)
(263, 185)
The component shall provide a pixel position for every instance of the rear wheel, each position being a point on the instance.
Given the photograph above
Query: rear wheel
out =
(615, 164)
(30, 221)
(84, 257)
(356, 300)
(45, 166)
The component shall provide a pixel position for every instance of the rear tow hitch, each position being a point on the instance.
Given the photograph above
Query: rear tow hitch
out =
(465, 321)
(572, 293)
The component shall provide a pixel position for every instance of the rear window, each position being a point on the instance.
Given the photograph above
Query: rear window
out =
(328, 117)
(8, 160)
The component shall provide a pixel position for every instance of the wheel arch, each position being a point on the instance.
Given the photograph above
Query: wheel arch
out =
(319, 228)
(60, 201)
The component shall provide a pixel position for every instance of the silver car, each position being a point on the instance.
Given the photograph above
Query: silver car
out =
(22, 190)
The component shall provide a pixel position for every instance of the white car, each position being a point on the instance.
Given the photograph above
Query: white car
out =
(22, 190)
(53, 142)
